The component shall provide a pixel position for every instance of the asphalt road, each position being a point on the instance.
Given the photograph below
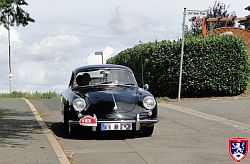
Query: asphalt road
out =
(195, 134)
(22, 140)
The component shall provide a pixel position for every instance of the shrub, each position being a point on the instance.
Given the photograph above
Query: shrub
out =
(213, 65)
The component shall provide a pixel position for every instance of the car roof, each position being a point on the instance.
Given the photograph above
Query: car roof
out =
(90, 67)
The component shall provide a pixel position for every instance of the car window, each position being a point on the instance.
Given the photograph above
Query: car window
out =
(107, 76)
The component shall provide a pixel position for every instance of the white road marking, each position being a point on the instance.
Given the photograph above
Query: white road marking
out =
(222, 120)
(54, 143)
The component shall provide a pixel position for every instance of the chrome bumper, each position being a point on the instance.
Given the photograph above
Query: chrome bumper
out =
(137, 122)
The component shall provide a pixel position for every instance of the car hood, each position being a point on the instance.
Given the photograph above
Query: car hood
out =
(111, 99)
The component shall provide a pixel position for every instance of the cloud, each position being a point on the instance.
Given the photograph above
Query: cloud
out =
(54, 47)
(59, 41)
(46, 64)
(45, 53)
(131, 28)
(121, 23)
(45, 75)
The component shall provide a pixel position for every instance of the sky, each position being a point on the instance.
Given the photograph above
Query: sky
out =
(66, 34)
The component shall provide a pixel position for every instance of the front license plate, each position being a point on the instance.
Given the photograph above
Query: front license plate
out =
(116, 126)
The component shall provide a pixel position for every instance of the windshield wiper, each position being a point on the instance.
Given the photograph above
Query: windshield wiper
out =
(113, 82)
(107, 82)
(129, 84)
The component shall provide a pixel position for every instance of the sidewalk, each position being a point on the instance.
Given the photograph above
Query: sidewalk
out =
(22, 140)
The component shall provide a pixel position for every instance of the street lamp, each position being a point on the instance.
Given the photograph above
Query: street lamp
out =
(99, 53)
(10, 69)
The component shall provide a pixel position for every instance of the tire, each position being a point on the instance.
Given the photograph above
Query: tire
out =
(71, 130)
(147, 131)
(65, 117)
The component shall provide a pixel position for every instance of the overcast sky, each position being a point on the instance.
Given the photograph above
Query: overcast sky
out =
(67, 33)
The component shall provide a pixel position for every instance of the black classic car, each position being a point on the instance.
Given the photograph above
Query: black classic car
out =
(107, 97)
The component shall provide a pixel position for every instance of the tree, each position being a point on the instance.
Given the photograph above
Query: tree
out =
(12, 14)
(196, 28)
(218, 10)
(246, 23)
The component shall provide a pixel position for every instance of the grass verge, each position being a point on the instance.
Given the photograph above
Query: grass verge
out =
(162, 99)
(30, 95)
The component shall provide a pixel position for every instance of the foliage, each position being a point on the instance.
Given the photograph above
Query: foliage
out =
(246, 23)
(196, 28)
(217, 11)
(30, 95)
(162, 99)
(213, 65)
(190, 33)
(11, 13)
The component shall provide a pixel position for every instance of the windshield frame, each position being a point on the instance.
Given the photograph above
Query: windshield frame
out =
(131, 76)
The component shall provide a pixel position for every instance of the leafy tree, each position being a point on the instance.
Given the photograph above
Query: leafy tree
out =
(218, 10)
(196, 28)
(11, 13)
(246, 23)
(189, 33)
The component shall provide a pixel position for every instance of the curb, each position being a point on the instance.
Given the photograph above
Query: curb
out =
(54, 143)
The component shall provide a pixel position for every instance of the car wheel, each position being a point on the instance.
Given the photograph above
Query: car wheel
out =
(147, 131)
(65, 117)
(71, 130)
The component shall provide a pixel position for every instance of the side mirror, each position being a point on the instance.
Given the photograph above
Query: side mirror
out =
(146, 87)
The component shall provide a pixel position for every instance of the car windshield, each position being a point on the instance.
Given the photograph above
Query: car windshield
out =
(105, 77)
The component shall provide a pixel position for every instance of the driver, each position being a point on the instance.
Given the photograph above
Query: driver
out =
(85, 79)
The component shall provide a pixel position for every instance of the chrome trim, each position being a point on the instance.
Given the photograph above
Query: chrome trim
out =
(117, 121)
(115, 107)
(149, 121)
(137, 122)
(120, 121)
(94, 127)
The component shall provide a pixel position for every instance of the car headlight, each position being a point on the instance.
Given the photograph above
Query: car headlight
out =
(149, 102)
(79, 104)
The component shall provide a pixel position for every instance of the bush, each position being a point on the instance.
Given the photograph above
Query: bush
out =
(213, 66)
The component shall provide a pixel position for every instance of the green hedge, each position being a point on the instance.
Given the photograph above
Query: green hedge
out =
(213, 66)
